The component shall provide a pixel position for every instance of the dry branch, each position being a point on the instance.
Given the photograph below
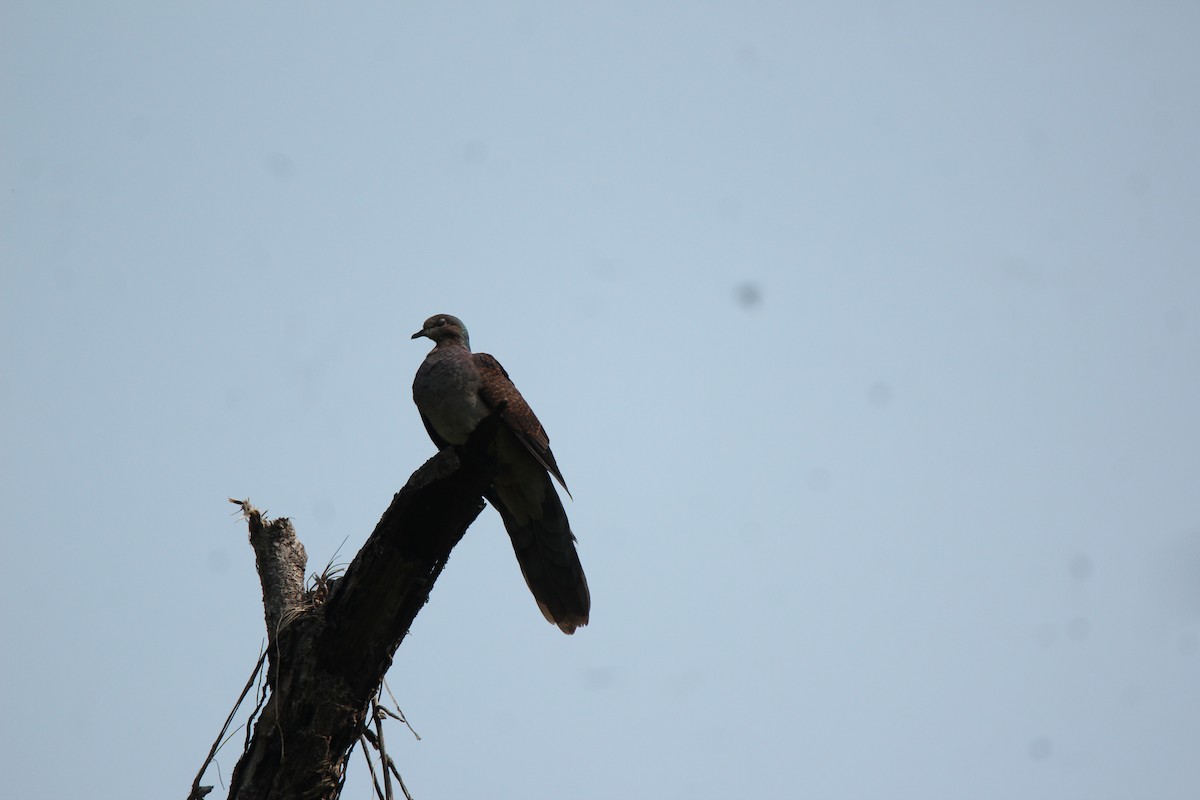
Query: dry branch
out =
(328, 659)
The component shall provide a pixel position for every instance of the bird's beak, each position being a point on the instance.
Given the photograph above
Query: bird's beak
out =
(418, 335)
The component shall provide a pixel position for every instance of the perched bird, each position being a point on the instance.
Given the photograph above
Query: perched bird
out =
(454, 390)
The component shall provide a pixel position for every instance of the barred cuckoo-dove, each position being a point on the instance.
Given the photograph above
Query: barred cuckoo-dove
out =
(454, 390)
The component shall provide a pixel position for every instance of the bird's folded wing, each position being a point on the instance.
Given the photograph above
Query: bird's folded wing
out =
(496, 387)
(438, 441)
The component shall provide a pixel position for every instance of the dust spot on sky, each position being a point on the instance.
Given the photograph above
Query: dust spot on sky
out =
(729, 208)
(1039, 143)
(218, 560)
(1018, 270)
(599, 678)
(235, 398)
(1045, 635)
(1081, 567)
(1175, 319)
(280, 167)
(324, 511)
(1137, 184)
(296, 325)
(31, 168)
(1079, 629)
(1041, 748)
(751, 532)
(608, 269)
(817, 479)
(1131, 696)
(748, 295)
(138, 128)
(474, 152)
(879, 394)
(746, 56)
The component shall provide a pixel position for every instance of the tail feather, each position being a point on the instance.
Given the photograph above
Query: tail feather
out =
(545, 548)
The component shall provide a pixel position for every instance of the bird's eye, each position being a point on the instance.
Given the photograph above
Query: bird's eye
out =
(441, 321)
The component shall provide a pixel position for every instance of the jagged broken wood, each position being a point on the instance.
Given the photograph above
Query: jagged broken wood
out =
(326, 660)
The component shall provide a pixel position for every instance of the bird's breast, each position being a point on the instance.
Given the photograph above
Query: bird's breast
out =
(447, 394)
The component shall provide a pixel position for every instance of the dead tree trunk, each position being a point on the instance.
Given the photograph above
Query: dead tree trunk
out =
(327, 659)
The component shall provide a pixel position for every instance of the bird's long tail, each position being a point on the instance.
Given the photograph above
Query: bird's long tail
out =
(545, 547)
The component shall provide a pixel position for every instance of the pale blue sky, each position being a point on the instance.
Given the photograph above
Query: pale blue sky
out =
(867, 337)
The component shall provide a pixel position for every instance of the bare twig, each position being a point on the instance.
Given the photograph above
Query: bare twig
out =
(387, 776)
(261, 692)
(199, 791)
(391, 765)
(370, 765)
(375, 737)
(402, 716)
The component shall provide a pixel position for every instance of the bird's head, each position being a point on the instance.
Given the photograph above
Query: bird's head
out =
(443, 327)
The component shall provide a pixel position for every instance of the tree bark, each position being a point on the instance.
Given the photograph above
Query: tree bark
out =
(327, 659)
